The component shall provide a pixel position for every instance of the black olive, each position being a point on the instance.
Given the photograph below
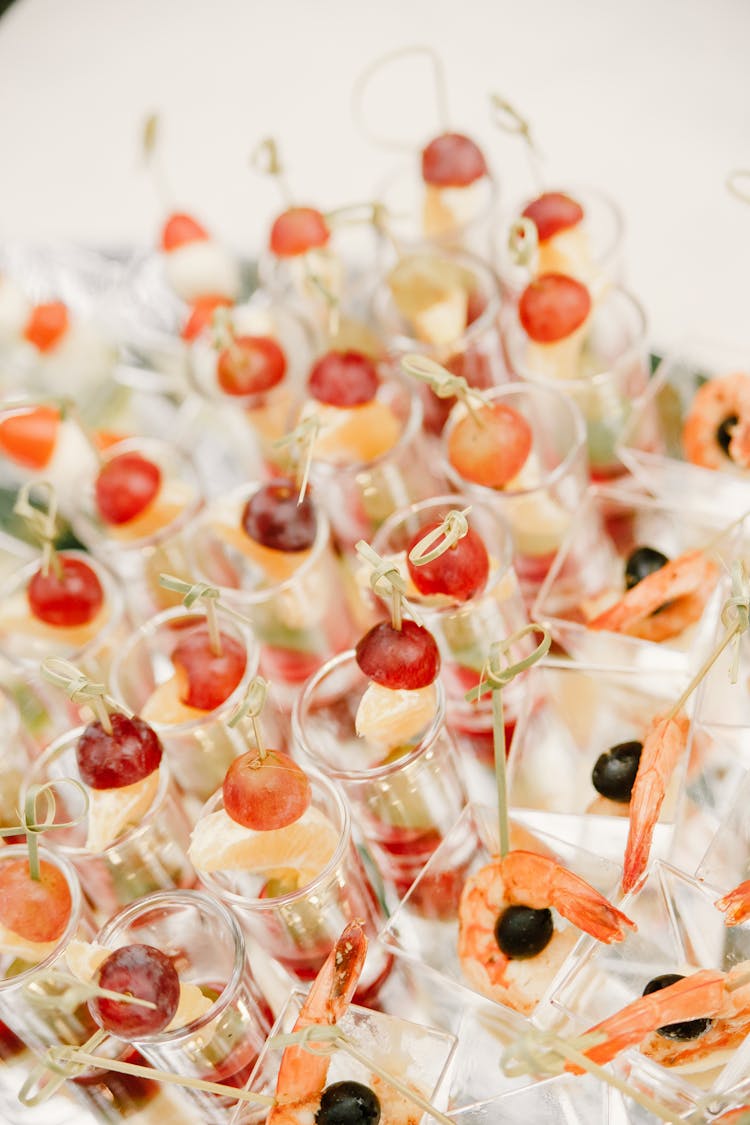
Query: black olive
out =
(521, 932)
(688, 1029)
(724, 432)
(348, 1103)
(642, 562)
(614, 773)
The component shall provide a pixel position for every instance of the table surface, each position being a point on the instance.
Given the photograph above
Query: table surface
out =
(650, 101)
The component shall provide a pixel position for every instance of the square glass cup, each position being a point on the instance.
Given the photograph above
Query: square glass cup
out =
(417, 1055)
(569, 716)
(580, 587)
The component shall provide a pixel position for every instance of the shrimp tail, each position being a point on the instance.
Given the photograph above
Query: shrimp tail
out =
(590, 911)
(736, 904)
(693, 997)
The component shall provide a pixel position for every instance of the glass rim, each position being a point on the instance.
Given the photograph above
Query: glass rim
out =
(242, 902)
(580, 193)
(406, 171)
(302, 704)
(67, 741)
(148, 630)
(95, 530)
(382, 300)
(114, 599)
(511, 390)
(458, 501)
(264, 593)
(599, 378)
(13, 851)
(204, 904)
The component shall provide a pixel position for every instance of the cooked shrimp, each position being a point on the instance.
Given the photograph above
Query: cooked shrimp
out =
(721, 999)
(716, 432)
(302, 1073)
(665, 602)
(524, 878)
(736, 904)
(663, 747)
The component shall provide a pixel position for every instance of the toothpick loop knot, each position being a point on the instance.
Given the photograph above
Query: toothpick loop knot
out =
(452, 528)
(523, 241)
(440, 380)
(71, 680)
(735, 613)
(42, 522)
(192, 591)
(499, 671)
(505, 116)
(252, 704)
(738, 183)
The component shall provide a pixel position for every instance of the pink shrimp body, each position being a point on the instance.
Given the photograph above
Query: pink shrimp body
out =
(525, 878)
(663, 747)
(678, 590)
(736, 904)
(302, 1073)
(724, 998)
(719, 402)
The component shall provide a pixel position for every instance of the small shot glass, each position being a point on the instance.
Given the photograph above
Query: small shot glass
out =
(464, 631)
(580, 587)
(148, 856)
(26, 640)
(199, 748)
(207, 948)
(608, 378)
(419, 1056)
(569, 716)
(591, 251)
(403, 807)
(543, 502)
(140, 549)
(299, 928)
(693, 469)
(300, 616)
(679, 931)
(471, 347)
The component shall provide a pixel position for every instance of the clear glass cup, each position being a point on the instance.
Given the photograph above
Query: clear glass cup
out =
(201, 749)
(424, 926)
(721, 703)
(141, 549)
(605, 376)
(265, 415)
(148, 856)
(544, 501)
(679, 931)
(417, 1055)
(300, 618)
(464, 631)
(726, 863)
(570, 715)
(579, 1100)
(206, 941)
(466, 215)
(403, 807)
(299, 928)
(591, 253)
(359, 497)
(26, 641)
(474, 352)
(581, 586)
(652, 443)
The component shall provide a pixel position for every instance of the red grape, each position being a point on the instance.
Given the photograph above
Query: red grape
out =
(46, 325)
(492, 449)
(73, 599)
(343, 379)
(181, 229)
(298, 230)
(110, 761)
(460, 572)
(125, 487)
(250, 365)
(210, 678)
(399, 658)
(452, 160)
(266, 793)
(552, 307)
(35, 909)
(201, 314)
(142, 971)
(553, 212)
(273, 518)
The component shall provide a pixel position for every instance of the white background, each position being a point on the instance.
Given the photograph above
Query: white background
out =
(646, 99)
